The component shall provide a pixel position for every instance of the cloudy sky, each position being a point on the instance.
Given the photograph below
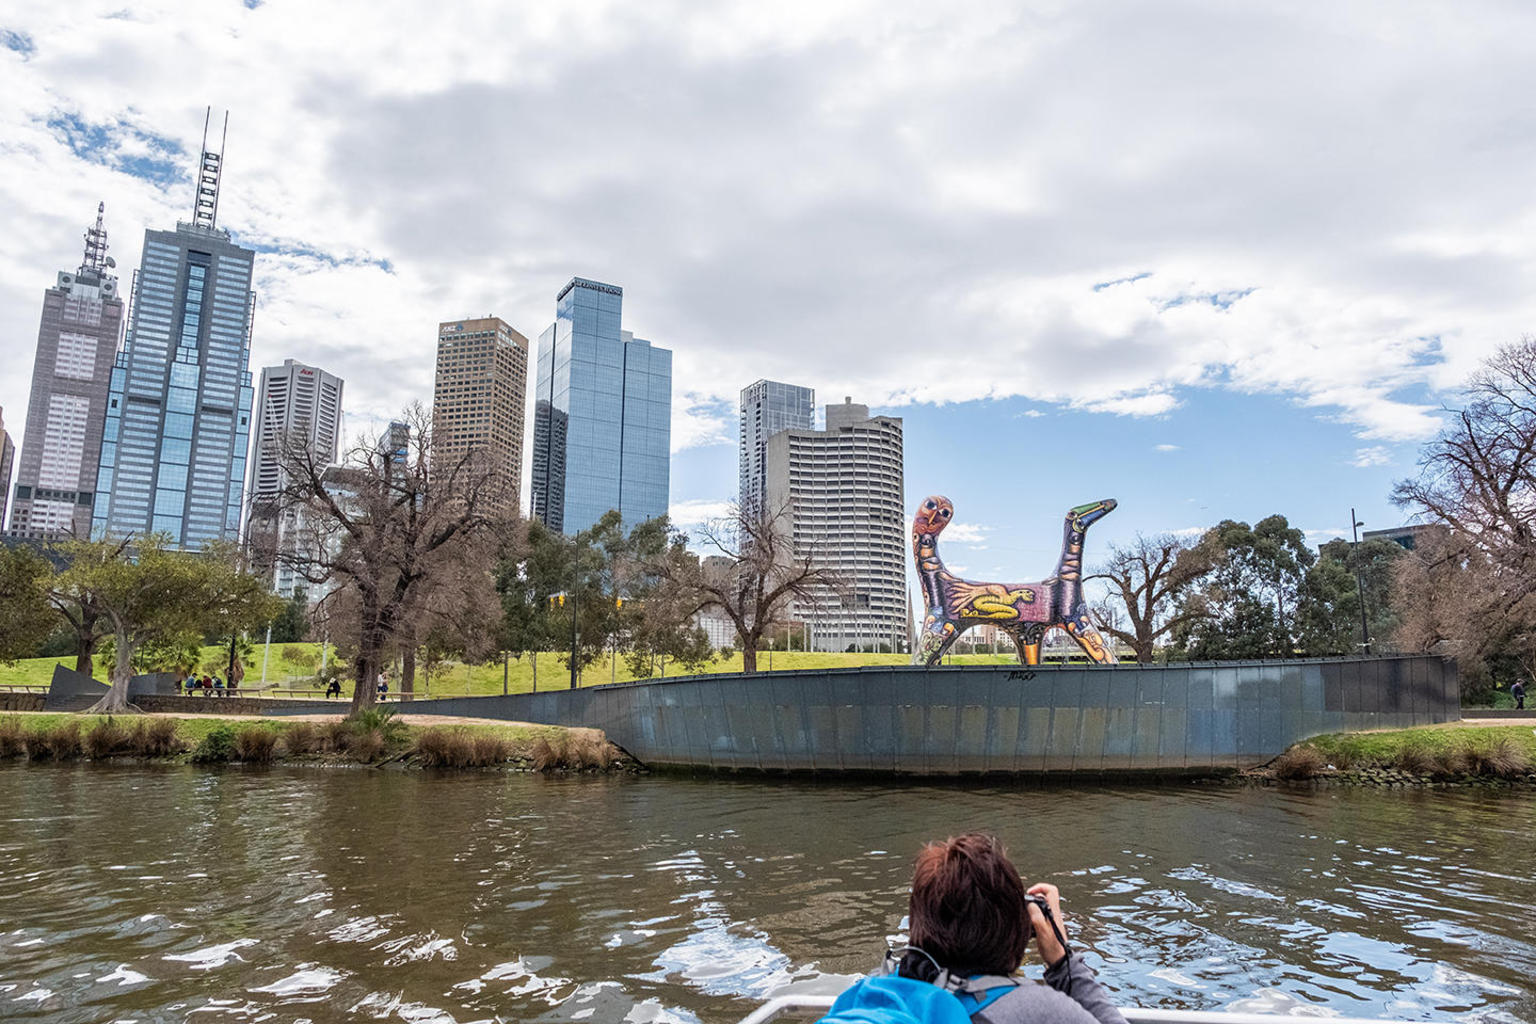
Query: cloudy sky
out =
(1215, 259)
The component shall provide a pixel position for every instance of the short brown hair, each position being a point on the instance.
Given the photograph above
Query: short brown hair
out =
(968, 909)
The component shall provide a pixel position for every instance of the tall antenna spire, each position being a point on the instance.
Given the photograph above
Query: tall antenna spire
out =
(205, 207)
(96, 258)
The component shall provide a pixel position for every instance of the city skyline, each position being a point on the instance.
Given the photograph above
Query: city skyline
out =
(1218, 321)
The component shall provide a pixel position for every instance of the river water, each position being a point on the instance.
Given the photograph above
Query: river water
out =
(172, 894)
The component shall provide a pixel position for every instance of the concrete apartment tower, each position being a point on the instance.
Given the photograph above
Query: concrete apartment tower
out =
(178, 413)
(843, 487)
(480, 398)
(602, 423)
(7, 463)
(295, 401)
(767, 407)
(67, 410)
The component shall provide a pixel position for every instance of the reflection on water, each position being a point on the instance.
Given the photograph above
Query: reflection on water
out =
(171, 894)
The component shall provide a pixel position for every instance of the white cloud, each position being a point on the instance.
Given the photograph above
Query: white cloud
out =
(969, 534)
(1376, 455)
(694, 513)
(1166, 448)
(853, 195)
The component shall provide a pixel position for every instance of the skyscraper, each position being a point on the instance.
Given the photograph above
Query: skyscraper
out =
(843, 489)
(294, 401)
(178, 414)
(480, 398)
(602, 427)
(76, 343)
(768, 407)
(7, 461)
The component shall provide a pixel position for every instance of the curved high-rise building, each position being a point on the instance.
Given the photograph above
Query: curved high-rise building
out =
(842, 488)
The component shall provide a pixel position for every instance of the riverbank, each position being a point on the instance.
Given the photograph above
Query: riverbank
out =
(377, 738)
(1436, 756)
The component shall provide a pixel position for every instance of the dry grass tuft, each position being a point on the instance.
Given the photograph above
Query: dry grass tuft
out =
(60, 743)
(157, 737)
(1300, 762)
(577, 750)
(366, 746)
(255, 744)
(107, 739)
(445, 747)
(303, 738)
(490, 750)
(1417, 759)
(336, 737)
(13, 738)
(1502, 758)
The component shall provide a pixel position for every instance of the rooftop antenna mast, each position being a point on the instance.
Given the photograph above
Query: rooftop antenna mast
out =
(96, 258)
(205, 209)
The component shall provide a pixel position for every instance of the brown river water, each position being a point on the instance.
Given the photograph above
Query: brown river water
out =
(307, 894)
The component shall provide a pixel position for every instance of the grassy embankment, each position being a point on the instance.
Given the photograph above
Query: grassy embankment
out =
(295, 665)
(1427, 755)
(374, 738)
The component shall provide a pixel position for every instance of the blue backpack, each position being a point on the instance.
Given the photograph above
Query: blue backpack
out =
(892, 999)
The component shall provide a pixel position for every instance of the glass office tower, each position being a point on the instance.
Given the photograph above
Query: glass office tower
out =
(602, 415)
(178, 412)
(767, 407)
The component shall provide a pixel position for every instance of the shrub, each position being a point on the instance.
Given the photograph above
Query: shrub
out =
(303, 738)
(254, 744)
(156, 737)
(381, 721)
(216, 746)
(57, 744)
(546, 756)
(1300, 762)
(577, 750)
(107, 738)
(438, 747)
(13, 738)
(490, 750)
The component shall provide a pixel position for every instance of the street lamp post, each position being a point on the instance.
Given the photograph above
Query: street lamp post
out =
(1365, 631)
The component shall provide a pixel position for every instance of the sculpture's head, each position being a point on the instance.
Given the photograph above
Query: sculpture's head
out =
(1084, 516)
(933, 515)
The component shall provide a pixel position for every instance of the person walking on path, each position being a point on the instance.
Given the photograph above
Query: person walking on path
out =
(1517, 691)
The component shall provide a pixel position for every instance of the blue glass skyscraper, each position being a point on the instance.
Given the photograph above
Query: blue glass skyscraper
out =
(178, 411)
(602, 428)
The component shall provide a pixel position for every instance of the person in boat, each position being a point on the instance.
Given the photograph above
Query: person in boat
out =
(970, 922)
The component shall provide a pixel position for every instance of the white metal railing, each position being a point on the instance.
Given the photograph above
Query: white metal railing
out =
(807, 1007)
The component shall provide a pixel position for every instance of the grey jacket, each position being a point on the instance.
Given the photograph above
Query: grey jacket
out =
(1029, 1003)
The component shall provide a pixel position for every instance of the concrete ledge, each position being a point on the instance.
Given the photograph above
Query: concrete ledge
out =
(157, 704)
(1153, 720)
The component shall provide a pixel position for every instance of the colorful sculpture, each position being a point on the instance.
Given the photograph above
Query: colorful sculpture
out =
(1024, 610)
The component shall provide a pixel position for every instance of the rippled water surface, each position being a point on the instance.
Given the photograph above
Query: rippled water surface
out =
(170, 894)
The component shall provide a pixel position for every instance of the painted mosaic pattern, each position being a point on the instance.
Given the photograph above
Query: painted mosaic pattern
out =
(1024, 610)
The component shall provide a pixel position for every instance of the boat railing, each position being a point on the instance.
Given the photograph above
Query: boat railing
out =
(808, 1007)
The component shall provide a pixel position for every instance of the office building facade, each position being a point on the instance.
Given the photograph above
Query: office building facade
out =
(82, 317)
(479, 400)
(767, 407)
(174, 447)
(7, 462)
(602, 415)
(296, 403)
(842, 487)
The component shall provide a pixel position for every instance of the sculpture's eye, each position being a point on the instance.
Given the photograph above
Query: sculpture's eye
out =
(928, 505)
(945, 513)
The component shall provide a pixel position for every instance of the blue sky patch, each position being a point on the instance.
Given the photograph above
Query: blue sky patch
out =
(19, 42)
(121, 146)
(1221, 300)
(1122, 280)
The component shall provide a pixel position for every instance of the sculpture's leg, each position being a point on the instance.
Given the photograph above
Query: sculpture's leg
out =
(933, 640)
(1026, 642)
(1088, 638)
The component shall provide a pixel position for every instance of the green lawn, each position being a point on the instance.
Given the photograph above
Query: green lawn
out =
(294, 665)
(1384, 747)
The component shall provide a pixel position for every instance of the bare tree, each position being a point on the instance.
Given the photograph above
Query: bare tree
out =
(1471, 587)
(1147, 581)
(751, 572)
(379, 529)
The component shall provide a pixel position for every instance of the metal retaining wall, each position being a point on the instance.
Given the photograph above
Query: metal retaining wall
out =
(895, 719)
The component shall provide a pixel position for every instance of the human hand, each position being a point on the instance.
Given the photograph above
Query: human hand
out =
(1046, 944)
